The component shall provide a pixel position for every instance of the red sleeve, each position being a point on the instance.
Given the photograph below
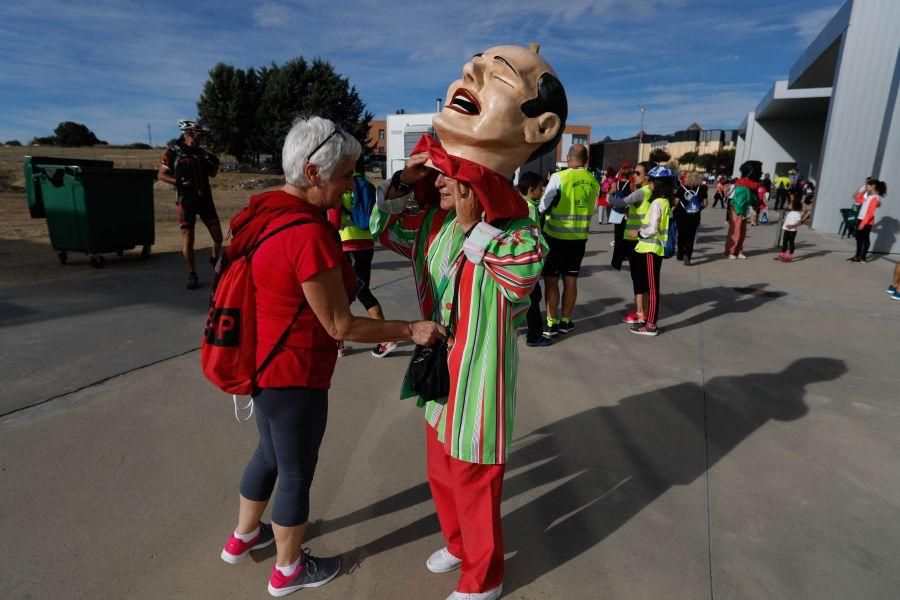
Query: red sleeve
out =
(334, 217)
(869, 217)
(311, 250)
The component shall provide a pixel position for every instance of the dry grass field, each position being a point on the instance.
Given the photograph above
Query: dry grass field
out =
(25, 251)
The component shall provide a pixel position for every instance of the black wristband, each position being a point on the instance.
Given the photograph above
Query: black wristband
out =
(398, 185)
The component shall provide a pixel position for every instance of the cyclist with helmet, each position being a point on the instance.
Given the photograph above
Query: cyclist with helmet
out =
(188, 167)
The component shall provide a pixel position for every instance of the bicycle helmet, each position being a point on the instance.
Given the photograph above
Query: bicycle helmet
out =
(191, 125)
(661, 172)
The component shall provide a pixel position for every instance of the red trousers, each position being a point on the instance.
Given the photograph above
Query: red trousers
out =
(737, 232)
(467, 499)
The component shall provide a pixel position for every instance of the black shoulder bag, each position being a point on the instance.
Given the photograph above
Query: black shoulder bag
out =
(429, 373)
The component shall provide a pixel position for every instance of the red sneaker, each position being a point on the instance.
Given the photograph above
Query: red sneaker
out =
(634, 318)
(235, 550)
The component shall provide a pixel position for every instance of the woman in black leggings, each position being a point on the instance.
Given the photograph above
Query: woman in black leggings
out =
(687, 222)
(875, 190)
(303, 284)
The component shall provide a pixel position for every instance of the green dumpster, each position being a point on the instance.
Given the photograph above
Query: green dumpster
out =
(33, 174)
(96, 210)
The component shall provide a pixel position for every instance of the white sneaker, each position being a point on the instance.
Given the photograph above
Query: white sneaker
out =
(382, 350)
(732, 257)
(442, 561)
(742, 256)
(488, 595)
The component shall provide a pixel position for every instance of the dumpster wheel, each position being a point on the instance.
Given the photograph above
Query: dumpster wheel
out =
(145, 252)
(63, 256)
(97, 261)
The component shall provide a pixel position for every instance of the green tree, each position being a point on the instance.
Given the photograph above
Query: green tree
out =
(301, 89)
(250, 112)
(228, 108)
(707, 162)
(689, 158)
(724, 160)
(659, 155)
(48, 140)
(13, 143)
(70, 134)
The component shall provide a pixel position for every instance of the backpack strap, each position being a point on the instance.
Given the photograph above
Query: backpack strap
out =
(281, 340)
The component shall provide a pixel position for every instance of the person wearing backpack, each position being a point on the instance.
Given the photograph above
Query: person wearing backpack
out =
(302, 286)
(651, 245)
(188, 166)
(689, 204)
(352, 221)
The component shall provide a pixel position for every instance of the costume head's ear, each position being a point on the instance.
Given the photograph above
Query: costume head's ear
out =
(547, 114)
(542, 128)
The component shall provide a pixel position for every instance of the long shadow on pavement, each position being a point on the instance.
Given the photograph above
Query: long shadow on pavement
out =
(725, 300)
(610, 463)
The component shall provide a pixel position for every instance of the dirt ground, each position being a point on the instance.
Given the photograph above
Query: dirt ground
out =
(26, 255)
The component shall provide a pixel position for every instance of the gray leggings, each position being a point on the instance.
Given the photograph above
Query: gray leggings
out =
(291, 424)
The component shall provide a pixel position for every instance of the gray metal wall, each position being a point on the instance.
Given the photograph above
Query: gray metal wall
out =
(863, 119)
(782, 140)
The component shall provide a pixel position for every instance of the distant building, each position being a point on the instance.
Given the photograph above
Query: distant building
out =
(612, 153)
(378, 137)
(835, 118)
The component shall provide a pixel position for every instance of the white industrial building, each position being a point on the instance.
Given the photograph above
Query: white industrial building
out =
(836, 117)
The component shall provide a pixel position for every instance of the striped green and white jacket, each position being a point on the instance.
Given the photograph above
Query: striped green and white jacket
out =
(500, 268)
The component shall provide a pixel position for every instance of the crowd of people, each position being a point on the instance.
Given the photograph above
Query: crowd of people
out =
(478, 247)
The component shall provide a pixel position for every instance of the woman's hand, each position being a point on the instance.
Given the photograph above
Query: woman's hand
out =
(426, 333)
(468, 208)
(415, 169)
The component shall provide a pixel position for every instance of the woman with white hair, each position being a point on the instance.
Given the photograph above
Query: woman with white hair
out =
(303, 286)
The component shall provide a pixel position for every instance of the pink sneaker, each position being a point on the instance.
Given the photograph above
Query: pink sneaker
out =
(633, 318)
(235, 550)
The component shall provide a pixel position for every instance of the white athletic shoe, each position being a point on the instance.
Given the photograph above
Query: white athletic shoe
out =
(442, 561)
(488, 595)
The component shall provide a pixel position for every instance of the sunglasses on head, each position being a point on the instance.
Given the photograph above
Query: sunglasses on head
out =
(337, 129)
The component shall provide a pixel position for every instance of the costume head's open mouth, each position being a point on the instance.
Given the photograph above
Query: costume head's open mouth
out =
(464, 102)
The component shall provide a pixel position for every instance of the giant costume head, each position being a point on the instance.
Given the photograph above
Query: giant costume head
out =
(507, 108)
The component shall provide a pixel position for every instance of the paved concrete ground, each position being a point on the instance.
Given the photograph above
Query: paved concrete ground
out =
(750, 451)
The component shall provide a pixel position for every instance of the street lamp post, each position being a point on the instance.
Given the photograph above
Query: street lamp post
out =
(641, 132)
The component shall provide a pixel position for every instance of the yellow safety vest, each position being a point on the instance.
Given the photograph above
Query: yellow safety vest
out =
(656, 243)
(635, 216)
(349, 231)
(570, 219)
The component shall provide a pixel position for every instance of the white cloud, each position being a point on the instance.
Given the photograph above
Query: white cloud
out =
(120, 63)
(271, 14)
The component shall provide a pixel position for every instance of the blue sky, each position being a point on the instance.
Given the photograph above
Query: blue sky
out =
(118, 65)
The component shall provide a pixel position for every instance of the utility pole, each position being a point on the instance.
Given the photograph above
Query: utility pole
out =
(641, 132)
(149, 136)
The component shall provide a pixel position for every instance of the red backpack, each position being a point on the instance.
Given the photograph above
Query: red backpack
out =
(228, 351)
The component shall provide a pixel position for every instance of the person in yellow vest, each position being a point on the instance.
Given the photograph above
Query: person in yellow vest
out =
(651, 243)
(782, 185)
(637, 203)
(359, 247)
(568, 205)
